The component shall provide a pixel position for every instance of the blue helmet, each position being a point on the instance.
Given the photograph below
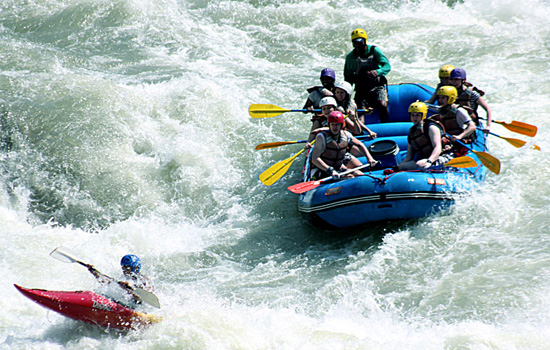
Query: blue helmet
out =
(458, 73)
(327, 72)
(131, 261)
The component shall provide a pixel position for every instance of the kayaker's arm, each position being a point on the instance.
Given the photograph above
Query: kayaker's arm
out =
(101, 278)
(364, 150)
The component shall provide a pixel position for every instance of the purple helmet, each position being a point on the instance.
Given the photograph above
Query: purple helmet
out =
(458, 73)
(327, 72)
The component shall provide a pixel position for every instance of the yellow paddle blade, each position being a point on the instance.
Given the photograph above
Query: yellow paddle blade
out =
(514, 142)
(277, 170)
(146, 318)
(489, 161)
(265, 110)
(519, 127)
(462, 162)
(274, 144)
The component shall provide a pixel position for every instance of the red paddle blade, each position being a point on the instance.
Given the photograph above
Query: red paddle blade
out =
(304, 186)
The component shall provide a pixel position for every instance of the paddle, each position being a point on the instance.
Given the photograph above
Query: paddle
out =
(309, 185)
(514, 126)
(277, 170)
(65, 255)
(277, 144)
(515, 142)
(268, 110)
(282, 143)
(461, 162)
(518, 127)
(488, 160)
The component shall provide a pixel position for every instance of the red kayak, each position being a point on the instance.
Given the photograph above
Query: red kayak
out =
(89, 307)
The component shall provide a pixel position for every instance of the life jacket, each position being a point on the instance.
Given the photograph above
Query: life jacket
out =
(420, 142)
(317, 91)
(321, 118)
(463, 99)
(449, 123)
(365, 64)
(335, 150)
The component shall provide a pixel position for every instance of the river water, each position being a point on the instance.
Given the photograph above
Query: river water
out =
(125, 130)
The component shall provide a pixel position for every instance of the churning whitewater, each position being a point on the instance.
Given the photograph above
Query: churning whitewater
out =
(125, 129)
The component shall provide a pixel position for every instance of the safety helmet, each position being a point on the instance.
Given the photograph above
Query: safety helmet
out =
(445, 71)
(358, 34)
(336, 117)
(419, 107)
(458, 73)
(131, 261)
(327, 101)
(344, 85)
(449, 91)
(327, 72)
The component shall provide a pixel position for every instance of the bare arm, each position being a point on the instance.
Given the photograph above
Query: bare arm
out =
(485, 106)
(363, 150)
(320, 147)
(435, 138)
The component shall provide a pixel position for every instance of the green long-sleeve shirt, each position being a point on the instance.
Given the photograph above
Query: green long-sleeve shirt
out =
(380, 60)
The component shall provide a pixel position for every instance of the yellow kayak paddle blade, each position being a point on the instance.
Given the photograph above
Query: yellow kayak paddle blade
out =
(462, 162)
(266, 110)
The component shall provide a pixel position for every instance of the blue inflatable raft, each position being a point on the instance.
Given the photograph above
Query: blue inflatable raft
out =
(401, 195)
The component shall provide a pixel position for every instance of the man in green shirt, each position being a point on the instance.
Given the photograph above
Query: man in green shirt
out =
(366, 66)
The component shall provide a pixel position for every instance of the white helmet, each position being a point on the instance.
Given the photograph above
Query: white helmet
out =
(327, 101)
(344, 85)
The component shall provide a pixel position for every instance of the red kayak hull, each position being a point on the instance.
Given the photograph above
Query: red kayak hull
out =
(89, 307)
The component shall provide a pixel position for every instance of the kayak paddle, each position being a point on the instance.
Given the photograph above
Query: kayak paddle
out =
(461, 162)
(65, 255)
(514, 126)
(518, 127)
(283, 143)
(277, 170)
(260, 110)
(515, 142)
(491, 162)
(309, 185)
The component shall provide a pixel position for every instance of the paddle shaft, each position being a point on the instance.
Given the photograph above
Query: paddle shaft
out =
(62, 254)
(491, 162)
(284, 143)
(309, 185)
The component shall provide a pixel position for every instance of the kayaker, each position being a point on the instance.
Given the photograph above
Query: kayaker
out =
(316, 93)
(346, 105)
(132, 278)
(425, 144)
(330, 154)
(131, 267)
(469, 96)
(366, 66)
(444, 75)
(455, 119)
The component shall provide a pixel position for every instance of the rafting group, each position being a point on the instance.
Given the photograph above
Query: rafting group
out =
(340, 107)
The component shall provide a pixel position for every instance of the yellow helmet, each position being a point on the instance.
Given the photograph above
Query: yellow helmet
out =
(419, 107)
(445, 71)
(449, 91)
(359, 34)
